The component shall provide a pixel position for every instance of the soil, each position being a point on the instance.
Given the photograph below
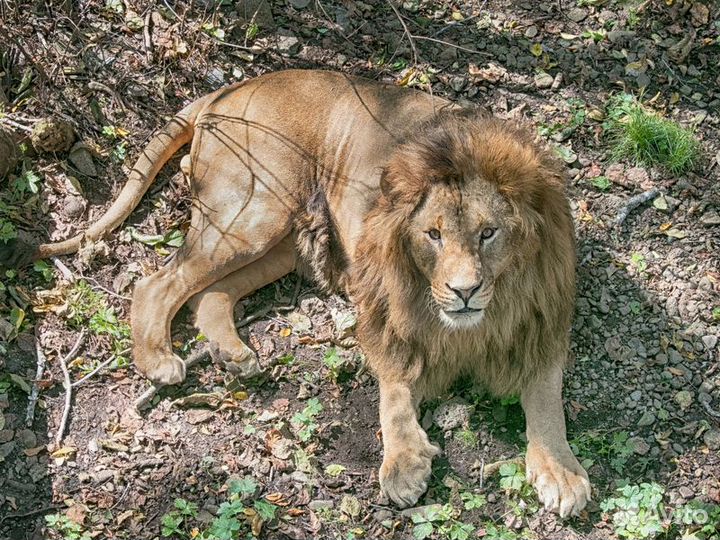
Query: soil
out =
(642, 393)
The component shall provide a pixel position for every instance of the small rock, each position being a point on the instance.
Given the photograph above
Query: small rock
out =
(577, 14)
(287, 44)
(531, 31)
(300, 322)
(637, 176)
(699, 14)
(458, 83)
(710, 218)
(382, 515)
(712, 439)
(684, 398)
(103, 476)
(638, 445)
(299, 4)
(557, 81)
(215, 77)
(351, 506)
(6, 435)
(543, 80)
(709, 341)
(318, 504)
(636, 395)
(620, 36)
(50, 135)
(686, 492)
(81, 157)
(647, 419)
(27, 438)
(74, 206)
(452, 414)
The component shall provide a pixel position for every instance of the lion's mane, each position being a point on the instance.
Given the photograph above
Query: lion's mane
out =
(527, 323)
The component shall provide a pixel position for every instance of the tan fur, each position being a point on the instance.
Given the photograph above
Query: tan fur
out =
(361, 178)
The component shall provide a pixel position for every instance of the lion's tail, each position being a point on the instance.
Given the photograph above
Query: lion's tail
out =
(177, 133)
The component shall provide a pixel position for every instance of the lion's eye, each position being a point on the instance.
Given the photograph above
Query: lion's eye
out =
(488, 233)
(434, 234)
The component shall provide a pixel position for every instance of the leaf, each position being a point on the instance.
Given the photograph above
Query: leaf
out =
(422, 531)
(245, 486)
(334, 470)
(285, 332)
(660, 203)
(174, 238)
(536, 49)
(676, 233)
(65, 451)
(20, 383)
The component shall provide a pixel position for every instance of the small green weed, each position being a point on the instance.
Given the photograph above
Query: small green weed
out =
(303, 422)
(68, 529)
(333, 362)
(716, 313)
(638, 262)
(443, 521)
(648, 139)
(636, 512)
(602, 183)
(615, 448)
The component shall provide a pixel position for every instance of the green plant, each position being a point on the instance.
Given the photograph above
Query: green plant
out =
(602, 183)
(646, 138)
(614, 447)
(68, 529)
(472, 501)
(175, 521)
(333, 362)
(44, 269)
(468, 437)
(441, 520)
(304, 421)
(637, 260)
(716, 313)
(637, 512)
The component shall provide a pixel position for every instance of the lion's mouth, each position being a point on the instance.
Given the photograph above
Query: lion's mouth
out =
(461, 311)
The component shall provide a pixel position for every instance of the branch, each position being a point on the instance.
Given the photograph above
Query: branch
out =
(633, 203)
(41, 360)
(100, 367)
(407, 31)
(68, 387)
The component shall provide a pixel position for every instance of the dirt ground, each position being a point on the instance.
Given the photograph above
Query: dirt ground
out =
(642, 395)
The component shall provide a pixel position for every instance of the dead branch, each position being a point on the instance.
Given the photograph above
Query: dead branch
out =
(406, 30)
(12, 123)
(633, 203)
(64, 270)
(41, 360)
(147, 38)
(99, 368)
(68, 387)
(144, 399)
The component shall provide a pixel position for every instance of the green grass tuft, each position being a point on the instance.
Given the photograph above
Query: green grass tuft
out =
(648, 139)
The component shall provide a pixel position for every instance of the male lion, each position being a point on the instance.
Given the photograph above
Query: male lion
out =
(448, 228)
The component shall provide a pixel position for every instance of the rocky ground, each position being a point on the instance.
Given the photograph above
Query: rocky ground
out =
(296, 452)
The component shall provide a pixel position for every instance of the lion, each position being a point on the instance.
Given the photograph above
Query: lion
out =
(449, 229)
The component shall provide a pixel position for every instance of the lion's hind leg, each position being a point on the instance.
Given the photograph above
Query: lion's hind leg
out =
(213, 307)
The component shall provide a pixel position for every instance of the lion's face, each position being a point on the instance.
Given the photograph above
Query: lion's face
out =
(461, 241)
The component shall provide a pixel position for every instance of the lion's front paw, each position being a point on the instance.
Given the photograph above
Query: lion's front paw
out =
(403, 475)
(562, 484)
(162, 369)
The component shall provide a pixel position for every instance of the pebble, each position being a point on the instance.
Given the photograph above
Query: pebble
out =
(577, 14)
(544, 80)
(684, 398)
(451, 414)
(531, 31)
(686, 492)
(321, 503)
(712, 439)
(709, 341)
(382, 515)
(27, 438)
(647, 419)
(638, 445)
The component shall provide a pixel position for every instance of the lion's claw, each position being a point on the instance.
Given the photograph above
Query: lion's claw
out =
(403, 476)
(562, 484)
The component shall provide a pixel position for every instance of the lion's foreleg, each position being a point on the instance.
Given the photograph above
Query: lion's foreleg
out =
(407, 451)
(561, 482)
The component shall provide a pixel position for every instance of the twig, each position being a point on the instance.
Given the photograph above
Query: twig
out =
(21, 515)
(96, 284)
(68, 387)
(448, 44)
(147, 37)
(142, 401)
(407, 31)
(12, 123)
(100, 367)
(64, 270)
(633, 203)
(35, 392)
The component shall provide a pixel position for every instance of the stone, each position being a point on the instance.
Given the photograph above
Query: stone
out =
(531, 31)
(709, 341)
(699, 14)
(320, 503)
(350, 506)
(82, 158)
(712, 439)
(74, 206)
(382, 515)
(27, 438)
(287, 44)
(543, 80)
(453, 413)
(686, 492)
(577, 14)
(647, 419)
(684, 398)
(639, 445)
(50, 135)
(215, 77)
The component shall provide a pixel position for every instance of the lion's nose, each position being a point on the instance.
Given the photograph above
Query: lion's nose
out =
(465, 293)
